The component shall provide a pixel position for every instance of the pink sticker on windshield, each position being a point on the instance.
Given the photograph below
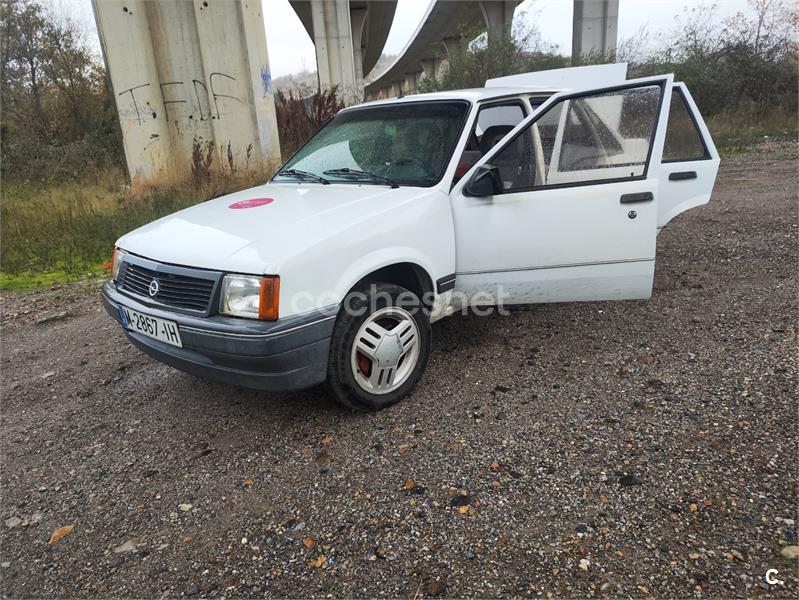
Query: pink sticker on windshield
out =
(252, 203)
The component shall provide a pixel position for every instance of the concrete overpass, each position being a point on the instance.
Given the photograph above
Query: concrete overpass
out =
(349, 38)
(438, 31)
(594, 30)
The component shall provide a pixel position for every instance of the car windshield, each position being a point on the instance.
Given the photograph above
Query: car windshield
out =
(398, 144)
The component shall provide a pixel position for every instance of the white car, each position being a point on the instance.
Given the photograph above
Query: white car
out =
(546, 187)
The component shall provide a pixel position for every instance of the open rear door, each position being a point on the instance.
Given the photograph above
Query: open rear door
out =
(573, 209)
(690, 160)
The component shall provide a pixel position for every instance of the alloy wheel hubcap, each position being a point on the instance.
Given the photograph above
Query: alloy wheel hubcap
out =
(385, 351)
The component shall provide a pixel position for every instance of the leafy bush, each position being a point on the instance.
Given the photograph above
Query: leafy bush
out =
(58, 119)
(746, 64)
(299, 118)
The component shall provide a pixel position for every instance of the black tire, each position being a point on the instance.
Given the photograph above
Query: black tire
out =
(340, 378)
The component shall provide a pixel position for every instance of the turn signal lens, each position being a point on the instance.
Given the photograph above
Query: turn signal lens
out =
(270, 299)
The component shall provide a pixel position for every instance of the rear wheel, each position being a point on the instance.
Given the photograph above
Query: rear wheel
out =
(380, 346)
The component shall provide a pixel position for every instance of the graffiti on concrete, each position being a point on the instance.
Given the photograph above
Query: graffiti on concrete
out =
(204, 115)
(132, 92)
(204, 99)
(266, 79)
(216, 95)
(171, 101)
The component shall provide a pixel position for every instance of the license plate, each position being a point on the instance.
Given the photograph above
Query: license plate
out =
(154, 327)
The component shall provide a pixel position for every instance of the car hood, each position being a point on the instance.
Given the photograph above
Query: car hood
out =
(256, 230)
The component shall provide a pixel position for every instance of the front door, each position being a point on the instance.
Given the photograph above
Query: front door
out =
(577, 215)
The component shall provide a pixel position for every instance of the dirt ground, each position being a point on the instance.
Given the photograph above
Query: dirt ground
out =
(631, 449)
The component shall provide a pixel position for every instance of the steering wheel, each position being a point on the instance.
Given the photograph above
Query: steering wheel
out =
(415, 161)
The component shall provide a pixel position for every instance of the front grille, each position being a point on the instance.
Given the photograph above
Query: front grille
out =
(180, 291)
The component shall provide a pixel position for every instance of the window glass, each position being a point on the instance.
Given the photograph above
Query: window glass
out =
(536, 101)
(493, 123)
(493, 116)
(683, 140)
(610, 130)
(525, 162)
(409, 143)
(590, 138)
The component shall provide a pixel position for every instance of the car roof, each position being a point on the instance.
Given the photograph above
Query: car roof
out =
(472, 95)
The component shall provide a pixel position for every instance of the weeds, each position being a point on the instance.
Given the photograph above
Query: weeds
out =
(299, 118)
(202, 157)
(57, 233)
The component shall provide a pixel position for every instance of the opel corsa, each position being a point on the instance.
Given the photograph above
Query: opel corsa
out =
(543, 187)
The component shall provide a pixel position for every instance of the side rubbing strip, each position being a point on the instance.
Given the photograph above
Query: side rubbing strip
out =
(445, 284)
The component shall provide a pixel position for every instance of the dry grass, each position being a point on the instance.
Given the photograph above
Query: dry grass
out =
(67, 231)
(734, 131)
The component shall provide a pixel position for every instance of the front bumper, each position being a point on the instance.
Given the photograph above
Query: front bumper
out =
(282, 355)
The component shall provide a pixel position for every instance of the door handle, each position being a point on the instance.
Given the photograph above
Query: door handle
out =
(633, 198)
(682, 175)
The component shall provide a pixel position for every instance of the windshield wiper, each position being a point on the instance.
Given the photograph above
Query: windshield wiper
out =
(356, 174)
(303, 175)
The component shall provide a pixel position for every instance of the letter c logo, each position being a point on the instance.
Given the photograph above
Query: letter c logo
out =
(771, 577)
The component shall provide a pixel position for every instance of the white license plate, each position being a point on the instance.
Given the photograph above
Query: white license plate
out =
(158, 329)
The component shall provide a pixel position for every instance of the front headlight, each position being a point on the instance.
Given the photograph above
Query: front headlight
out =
(116, 260)
(251, 297)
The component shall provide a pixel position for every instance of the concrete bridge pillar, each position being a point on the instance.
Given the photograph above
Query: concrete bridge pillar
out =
(189, 77)
(498, 17)
(439, 67)
(335, 58)
(594, 28)
(428, 69)
(358, 19)
(452, 45)
(410, 82)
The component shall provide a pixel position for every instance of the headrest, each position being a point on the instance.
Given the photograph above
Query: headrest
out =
(492, 135)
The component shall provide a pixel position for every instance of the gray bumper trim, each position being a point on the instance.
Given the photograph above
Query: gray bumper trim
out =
(286, 354)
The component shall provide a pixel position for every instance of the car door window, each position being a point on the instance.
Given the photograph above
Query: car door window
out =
(683, 140)
(536, 101)
(492, 124)
(582, 139)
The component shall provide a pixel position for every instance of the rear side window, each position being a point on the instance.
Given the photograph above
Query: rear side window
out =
(683, 139)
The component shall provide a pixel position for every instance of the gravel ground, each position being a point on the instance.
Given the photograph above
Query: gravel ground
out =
(631, 449)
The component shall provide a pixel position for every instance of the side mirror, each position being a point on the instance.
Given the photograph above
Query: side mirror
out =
(485, 182)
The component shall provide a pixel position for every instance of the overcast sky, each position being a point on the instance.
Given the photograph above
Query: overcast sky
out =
(291, 50)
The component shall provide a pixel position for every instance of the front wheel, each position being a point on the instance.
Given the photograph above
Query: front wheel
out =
(380, 346)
